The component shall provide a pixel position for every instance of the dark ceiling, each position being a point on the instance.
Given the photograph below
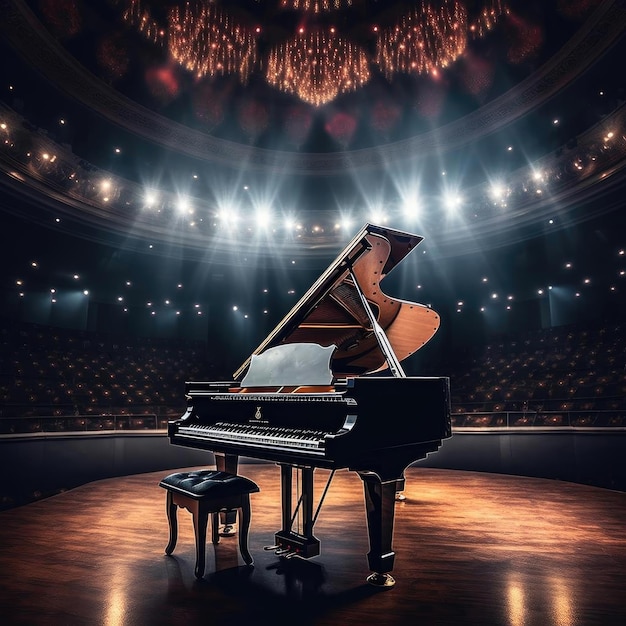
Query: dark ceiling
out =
(505, 148)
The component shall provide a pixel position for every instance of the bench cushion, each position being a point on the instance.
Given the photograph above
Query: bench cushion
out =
(201, 484)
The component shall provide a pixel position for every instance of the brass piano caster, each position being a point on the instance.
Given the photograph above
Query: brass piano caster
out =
(400, 497)
(383, 581)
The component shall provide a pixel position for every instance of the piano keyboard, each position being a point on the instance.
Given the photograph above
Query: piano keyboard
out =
(283, 397)
(258, 435)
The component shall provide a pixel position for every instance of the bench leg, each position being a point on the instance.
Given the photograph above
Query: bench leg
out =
(172, 518)
(244, 527)
(215, 528)
(200, 521)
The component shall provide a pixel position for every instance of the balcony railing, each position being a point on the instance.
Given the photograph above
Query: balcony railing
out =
(540, 419)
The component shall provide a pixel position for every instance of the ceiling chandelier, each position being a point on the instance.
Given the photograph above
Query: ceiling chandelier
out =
(432, 36)
(317, 67)
(316, 64)
(200, 37)
(315, 6)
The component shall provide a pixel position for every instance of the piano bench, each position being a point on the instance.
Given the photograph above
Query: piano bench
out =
(205, 492)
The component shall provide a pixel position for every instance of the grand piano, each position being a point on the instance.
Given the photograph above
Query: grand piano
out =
(326, 389)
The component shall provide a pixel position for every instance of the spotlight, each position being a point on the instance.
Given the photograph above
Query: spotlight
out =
(263, 218)
(452, 201)
(411, 208)
(150, 199)
(183, 205)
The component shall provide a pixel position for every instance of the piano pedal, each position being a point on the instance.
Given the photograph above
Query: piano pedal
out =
(228, 531)
(271, 548)
(282, 552)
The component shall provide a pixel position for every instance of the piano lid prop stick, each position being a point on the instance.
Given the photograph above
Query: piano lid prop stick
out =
(381, 337)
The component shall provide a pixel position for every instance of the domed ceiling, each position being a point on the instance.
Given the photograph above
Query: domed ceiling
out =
(282, 126)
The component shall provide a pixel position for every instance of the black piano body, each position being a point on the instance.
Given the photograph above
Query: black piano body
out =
(364, 424)
(338, 413)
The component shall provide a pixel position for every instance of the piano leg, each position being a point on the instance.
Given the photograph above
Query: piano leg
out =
(379, 505)
(227, 463)
(286, 486)
(289, 542)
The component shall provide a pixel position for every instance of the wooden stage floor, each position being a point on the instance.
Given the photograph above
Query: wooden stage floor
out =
(470, 548)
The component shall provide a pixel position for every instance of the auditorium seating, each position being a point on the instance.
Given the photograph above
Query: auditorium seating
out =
(562, 376)
(52, 372)
(74, 380)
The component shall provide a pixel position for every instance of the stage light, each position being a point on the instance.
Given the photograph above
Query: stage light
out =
(86, 292)
(452, 201)
(183, 205)
(411, 208)
(263, 218)
(289, 223)
(378, 216)
(498, 192)
(150, 199)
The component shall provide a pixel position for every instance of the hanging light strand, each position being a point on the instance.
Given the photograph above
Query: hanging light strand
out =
(315, 6)
(139, 16)
(491, 11)
(317, 67)
(429, 37)
(207, 41)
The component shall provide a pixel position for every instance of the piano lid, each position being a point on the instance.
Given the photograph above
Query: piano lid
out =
(332, 311)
